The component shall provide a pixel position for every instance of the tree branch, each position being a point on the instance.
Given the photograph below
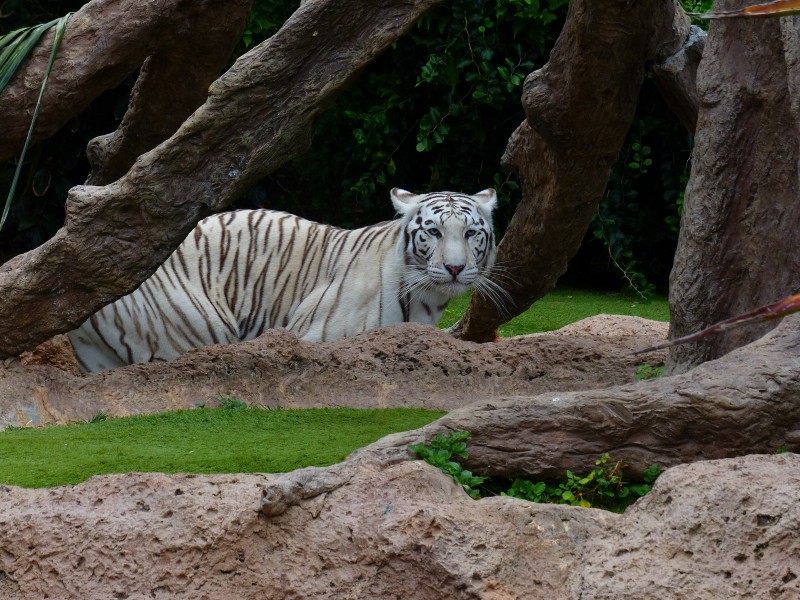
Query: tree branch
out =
(578, 109)
(258, 116)
(676, 78)
(107, 40)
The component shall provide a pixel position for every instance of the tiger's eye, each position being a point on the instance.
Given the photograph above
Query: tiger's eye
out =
(434, 232)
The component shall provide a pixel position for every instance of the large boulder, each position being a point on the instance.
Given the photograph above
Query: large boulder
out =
(715, 529)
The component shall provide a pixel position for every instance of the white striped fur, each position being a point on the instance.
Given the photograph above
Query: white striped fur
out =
(240, 273)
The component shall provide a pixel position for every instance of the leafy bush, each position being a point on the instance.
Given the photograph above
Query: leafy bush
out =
(440, 452)
(418, 117)
(603, 487)
(650, 372)
(231, 403)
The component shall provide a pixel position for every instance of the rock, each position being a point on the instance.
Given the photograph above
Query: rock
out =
(743, 403)
(714, 529)
(55, 352)
(403, 365)
(381, 526)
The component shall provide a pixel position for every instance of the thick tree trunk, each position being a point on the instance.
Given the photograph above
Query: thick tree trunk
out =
(258, 116)
(578, 110)
(741, 218)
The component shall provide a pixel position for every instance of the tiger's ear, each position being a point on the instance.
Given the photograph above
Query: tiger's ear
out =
(403, 201)
(487, 199)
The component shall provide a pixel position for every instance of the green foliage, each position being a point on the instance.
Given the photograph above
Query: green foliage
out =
(230, 403)
(698, 6)
(98, 417)
(638, 216)
(650, 372)
(565, 305)
(603, 487)
(266, 17)
(14, 49)
(418, 118)
(196, 441)
(441, 451)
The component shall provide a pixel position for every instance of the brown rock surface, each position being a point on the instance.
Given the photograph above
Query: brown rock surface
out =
(716, 529)
(404, 365)
(381, 526)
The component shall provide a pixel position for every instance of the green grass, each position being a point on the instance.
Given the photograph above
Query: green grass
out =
(232, 440)
(564, 306)
(196, 441)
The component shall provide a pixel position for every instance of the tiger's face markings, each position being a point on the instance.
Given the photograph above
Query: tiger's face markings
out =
(448, 237)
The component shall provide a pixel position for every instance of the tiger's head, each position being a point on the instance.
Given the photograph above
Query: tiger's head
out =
(449, 241)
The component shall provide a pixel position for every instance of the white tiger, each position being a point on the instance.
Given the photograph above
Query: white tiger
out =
(240, 273)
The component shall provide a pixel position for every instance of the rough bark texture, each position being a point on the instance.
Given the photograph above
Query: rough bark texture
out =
(741, 217)
(715, 529)
(403, 365)
(258, 115)
(742, 404)
(578, 109)
(676, 78)
(188, 42)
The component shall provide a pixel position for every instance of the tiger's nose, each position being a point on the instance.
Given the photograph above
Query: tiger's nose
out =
(454, 270)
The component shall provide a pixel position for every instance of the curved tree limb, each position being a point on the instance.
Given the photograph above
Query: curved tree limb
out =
(743, 403)
(258, 115)
(188, 41)
(676, 78)
(578, 109)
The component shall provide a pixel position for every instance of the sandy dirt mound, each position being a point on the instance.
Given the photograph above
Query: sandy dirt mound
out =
(403, 365)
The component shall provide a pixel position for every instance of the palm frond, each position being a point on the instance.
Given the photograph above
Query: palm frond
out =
(14, 48)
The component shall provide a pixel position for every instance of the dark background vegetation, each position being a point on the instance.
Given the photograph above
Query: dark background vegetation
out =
(434, 112)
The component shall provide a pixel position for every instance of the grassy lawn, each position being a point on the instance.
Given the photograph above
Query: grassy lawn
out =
(197, 441)
(566, 305)
(236, 440)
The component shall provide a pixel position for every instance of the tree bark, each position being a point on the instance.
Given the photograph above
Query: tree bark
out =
(578, 109)
(188, 43)
(741, 216)
(676, 78)
(258, 115)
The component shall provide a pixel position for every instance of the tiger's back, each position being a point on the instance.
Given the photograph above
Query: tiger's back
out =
(240, 273)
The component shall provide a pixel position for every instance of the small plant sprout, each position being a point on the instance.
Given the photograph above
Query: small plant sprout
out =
(646, 371)
(440, 452)
(603, 487)
(230, 403)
